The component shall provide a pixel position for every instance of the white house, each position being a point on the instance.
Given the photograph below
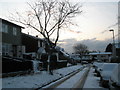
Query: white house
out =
(102, 56)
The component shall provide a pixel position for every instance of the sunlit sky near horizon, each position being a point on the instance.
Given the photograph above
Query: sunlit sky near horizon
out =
(93, 24)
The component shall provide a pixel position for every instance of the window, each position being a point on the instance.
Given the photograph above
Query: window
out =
(6, 48)
(4, 28)
(14, 31)
(40, 43)
(0, 48)
(3, 49)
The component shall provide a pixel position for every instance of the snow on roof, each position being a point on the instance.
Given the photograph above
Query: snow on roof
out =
(101, 53)
(65, 54)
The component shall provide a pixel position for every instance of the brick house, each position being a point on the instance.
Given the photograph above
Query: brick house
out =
(10, 42)
(33, 45)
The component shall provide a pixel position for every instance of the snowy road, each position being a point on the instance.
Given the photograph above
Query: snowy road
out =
(75, 80)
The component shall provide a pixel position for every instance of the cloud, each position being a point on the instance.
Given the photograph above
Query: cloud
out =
(92, 44)
(104, 31)
(68, 46)
(77, 32)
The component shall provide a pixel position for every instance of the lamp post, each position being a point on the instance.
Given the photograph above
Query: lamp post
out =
(113, 46)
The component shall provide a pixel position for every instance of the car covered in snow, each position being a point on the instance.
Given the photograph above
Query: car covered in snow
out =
(98, 67)
(105, 73)
(84, 62)
(114, 81)
(94, 64)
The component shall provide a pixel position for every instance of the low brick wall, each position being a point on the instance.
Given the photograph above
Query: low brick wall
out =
(9, 65)
(61, 64)
(56, 65)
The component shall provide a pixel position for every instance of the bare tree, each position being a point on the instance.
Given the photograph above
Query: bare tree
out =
(80, 49)
(49, 17)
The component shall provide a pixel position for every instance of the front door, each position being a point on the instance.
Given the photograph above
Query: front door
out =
(15, 50)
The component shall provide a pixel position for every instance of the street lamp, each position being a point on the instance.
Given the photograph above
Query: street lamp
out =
(113, 47)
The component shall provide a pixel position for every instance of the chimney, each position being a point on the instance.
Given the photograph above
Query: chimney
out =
(36, 35)
(119, 22)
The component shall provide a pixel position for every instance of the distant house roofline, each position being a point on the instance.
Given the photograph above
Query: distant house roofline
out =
(12, 23)
(32, 36)
(101, 53)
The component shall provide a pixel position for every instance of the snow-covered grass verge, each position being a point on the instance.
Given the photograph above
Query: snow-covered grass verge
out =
(37, 80)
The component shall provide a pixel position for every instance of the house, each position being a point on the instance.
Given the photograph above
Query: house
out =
(11, 39)
(33, 45)
(11, 48)
(101, 56)
(80, 59)
(15, 45)
(117, 45)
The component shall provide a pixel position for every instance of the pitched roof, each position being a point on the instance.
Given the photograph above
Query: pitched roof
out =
(32, 36)
(12, 23)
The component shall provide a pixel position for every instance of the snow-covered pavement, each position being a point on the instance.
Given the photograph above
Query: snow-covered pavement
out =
(37, 80)
(92, 81)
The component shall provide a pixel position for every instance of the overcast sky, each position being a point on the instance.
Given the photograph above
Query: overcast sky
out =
(93, 24)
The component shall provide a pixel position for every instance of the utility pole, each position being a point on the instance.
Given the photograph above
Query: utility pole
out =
(113, 46)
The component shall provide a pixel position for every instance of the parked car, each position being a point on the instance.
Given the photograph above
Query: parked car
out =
(97, 67)
(94, 64)
(105, 73)
(114, 81)
(84, 62)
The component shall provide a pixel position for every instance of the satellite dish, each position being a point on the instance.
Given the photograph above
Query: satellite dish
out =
(41, 50)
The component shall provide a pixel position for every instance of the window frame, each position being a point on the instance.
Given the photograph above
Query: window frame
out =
(15, 31)
(4, 28)
(6, 48)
